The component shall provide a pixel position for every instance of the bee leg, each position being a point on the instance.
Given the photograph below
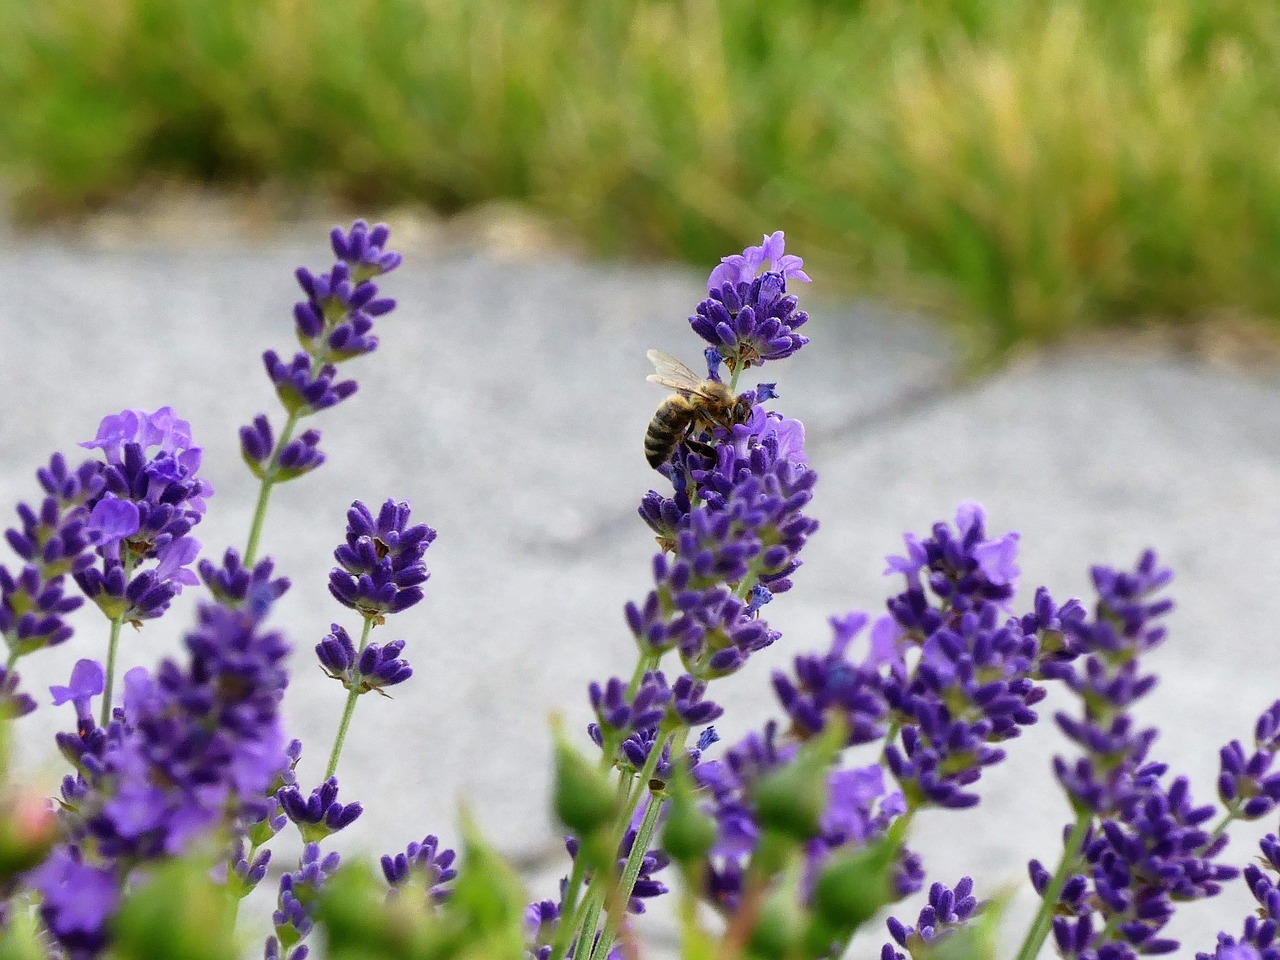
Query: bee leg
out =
(701, 447)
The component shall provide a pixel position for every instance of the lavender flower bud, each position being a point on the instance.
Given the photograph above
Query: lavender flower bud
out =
(320, 814)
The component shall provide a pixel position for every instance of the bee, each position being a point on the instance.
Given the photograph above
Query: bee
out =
(697, 404)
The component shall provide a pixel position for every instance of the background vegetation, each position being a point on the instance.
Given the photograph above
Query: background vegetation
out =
(1027, 167)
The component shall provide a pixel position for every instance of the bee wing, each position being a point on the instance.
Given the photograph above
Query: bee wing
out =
(673, 374)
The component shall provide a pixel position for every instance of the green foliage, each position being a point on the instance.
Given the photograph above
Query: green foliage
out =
(179, 912)
(482, 919)
(1027, 168)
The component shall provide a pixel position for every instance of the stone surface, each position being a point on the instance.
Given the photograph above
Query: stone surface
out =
(508, 404)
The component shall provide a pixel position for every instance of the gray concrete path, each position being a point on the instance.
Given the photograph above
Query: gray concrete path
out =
(508, 403)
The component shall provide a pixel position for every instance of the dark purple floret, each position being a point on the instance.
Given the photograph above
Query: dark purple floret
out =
(304, 389)
(320, 814)
(832, 683)
(947, 911)
(14, 702)
(381, 564)
(961, 568)
(300, 455)
(373, 668)
(234, 585)
(296, 903)
(749, 319)
(31, 611)
(196, 747)
(364, 249)
(426, 863)
(620, 714)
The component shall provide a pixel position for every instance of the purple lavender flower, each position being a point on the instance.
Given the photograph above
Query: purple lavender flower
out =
(31, 611)
(363, 249)
(424, 863)
(743, 267)
(87, 680)
(1246, 784)
(947, 911)
(1258, 939)
(235, 585)
(55, 536)
(859, 809)
(834, 684)
(77, 900)
(295, 904)
(335, 321)
(320, 814)
(373, 668)
(300, 455)
(750, 319)
(1144, 847)
(380, 565)
(151, 499)
(195, 747)
(13, 702)
(303, 390)
(961, 568)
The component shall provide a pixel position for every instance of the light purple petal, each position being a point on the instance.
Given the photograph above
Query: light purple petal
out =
(997, 559)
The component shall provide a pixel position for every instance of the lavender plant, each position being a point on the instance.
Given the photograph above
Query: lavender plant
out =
(783, 845)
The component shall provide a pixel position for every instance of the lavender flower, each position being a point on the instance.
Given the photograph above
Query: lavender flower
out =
(364, 250)
(380, 565)
(235, 585)
(335, 321)
(749, 319)
(1246, 784)
(302, 389)
(13, 702)
(320, 814)
(152, 498)
(1258, 939)
(300, 455)
(195, 746)
(373, 668)
(295, 904)
(87, 680)
(1143, 847)
(947, 911)
(424, 863)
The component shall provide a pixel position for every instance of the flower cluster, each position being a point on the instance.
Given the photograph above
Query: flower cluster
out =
(195, 746)
(1139, 844)
(334, 324)
(795, 833)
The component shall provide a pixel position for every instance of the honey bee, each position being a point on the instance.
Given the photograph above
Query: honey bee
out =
(697, 404)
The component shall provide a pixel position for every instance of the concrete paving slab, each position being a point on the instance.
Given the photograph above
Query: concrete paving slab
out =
(508, 405)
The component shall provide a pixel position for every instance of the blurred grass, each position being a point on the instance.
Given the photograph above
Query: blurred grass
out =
(1027, 169)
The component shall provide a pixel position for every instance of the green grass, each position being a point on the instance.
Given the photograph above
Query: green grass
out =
(1027, 169)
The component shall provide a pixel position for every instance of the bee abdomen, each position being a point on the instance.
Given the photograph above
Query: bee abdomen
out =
(669, 422)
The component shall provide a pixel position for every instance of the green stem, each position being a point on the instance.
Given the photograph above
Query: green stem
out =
(349, 709)
(113, 642)
(264, 492)
(622, 893)
(564, 932)
(13, 659)
(1043, 922)
(595, 889)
